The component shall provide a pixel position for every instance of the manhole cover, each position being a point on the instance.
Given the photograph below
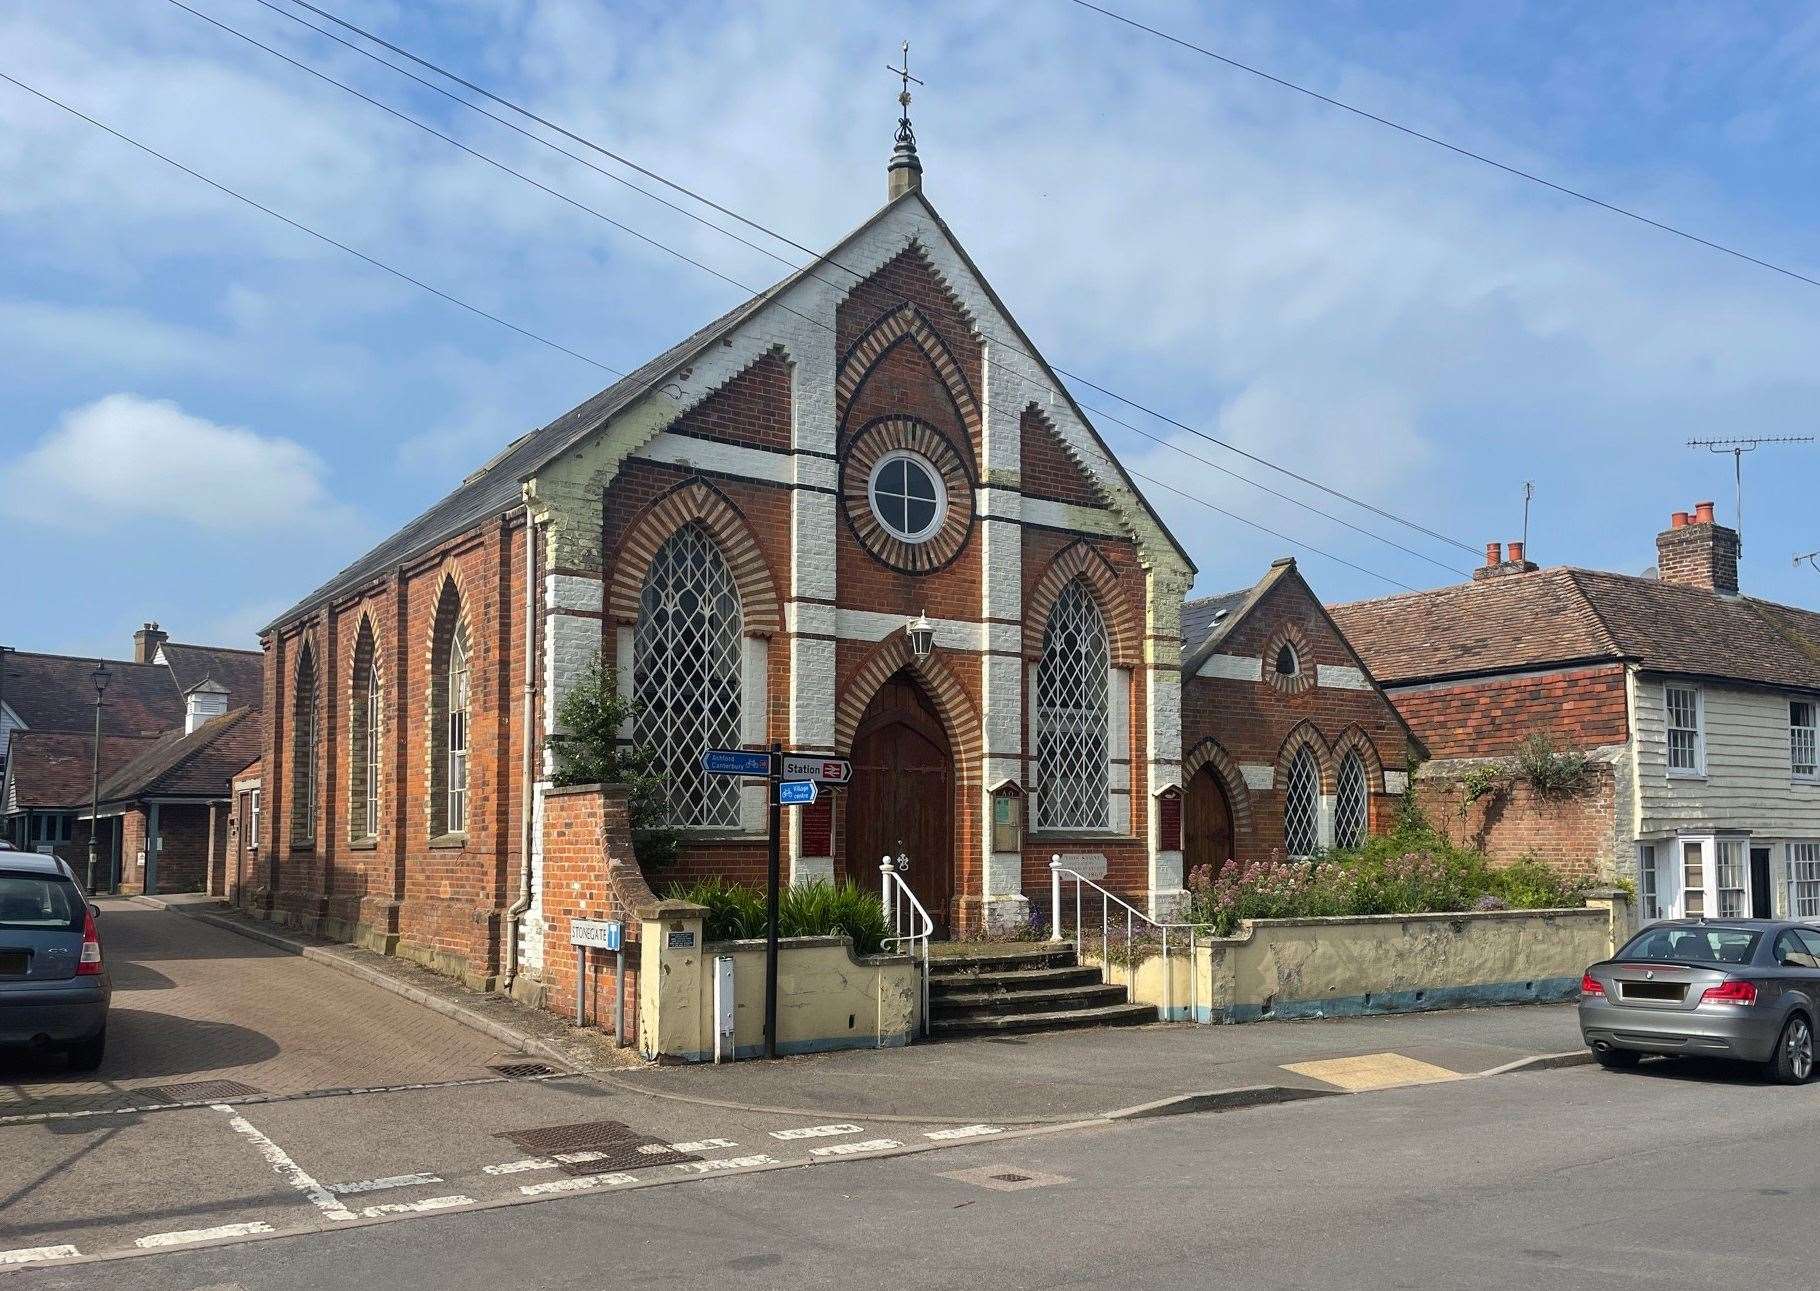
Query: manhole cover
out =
(196, 1091)
(1004, 1178)
(522, 1070)
(596, 1147)
(1011, 1176)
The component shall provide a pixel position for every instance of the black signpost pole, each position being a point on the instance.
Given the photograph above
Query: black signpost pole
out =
(775, 809)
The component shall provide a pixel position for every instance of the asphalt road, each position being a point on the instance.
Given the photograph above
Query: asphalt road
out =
(1568, 1178)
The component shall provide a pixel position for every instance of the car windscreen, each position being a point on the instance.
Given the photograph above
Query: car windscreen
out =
(39, 902)
(1702, 945)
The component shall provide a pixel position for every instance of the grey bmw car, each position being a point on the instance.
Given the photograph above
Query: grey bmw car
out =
(1744, 989)
(54, 986)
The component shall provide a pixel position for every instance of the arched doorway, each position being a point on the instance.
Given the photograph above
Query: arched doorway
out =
(902, 795)
(1206, 823)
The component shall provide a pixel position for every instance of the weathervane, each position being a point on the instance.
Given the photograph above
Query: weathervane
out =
(905, 173)
(904, 133)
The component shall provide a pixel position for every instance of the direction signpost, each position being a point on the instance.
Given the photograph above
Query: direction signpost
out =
(796, 793)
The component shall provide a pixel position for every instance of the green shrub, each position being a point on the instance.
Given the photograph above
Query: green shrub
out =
(588, 751)
(816, 909)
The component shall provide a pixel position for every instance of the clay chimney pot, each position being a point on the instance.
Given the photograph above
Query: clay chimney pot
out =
(1703, 513)
(1494, 553)
(1516, 552)
(1678, 520)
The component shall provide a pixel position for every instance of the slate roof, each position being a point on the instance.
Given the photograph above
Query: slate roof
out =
(1202, 615)
(1564, 615)
(197, 764)
(241, 671)
(54, 692)
(53, 768)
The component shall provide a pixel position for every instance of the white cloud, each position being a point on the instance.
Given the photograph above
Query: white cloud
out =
(128, 458)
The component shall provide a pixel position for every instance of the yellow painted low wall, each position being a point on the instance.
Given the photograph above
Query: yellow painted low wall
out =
(1298, 968)
(827, 997)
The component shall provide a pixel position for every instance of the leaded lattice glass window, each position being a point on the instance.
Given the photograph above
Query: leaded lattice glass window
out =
(686, 675)
(1351, 804)
(1302, 805)
(1073, 757)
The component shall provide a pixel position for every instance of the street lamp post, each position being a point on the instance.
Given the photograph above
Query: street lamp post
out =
(101, 676)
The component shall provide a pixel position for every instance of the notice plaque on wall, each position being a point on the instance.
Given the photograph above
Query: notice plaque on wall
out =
(681, 940)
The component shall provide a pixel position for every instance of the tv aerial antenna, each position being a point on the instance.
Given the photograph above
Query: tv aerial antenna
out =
(1738, 448)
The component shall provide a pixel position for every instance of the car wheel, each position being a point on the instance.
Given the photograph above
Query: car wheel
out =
(1617, 1059)
(1794, 1060)
(86, 1055)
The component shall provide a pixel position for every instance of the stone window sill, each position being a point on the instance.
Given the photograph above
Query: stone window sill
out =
(363, 844)
(451, 842)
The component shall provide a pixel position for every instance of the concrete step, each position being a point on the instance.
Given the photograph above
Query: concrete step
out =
(1039, 955)
(1004, 1023)
(1026, 979)
(987, 1004)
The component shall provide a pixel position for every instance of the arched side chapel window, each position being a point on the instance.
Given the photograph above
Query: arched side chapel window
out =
(686, 674)
(1073, 756)
(303, 749)
(451, 695)
(364, 728)
(1302, 805)
(1352, 802)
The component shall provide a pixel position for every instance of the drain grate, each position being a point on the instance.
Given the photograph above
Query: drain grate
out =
(1005, 1179)
(197, 1091)
(522, 1070)
(596, 1147)
(1011, 1177)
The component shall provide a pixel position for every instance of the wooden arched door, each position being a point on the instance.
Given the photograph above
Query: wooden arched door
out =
(1206, 823)
(902, 795)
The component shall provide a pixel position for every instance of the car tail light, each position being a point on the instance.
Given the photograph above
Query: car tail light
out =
(1730, 993)
(1589, 985)
(90, 961)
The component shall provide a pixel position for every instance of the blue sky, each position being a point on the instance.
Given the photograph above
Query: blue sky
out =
(207, 413)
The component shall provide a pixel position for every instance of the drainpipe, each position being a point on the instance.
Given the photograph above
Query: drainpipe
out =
(520, 907)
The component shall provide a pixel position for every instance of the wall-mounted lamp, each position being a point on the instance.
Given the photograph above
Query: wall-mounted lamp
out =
(922, 636)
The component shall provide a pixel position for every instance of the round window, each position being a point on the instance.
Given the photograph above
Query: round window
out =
(1287, 664)
(907, 495)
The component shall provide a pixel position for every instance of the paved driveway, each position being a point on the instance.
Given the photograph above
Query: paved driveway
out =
(195, 1003)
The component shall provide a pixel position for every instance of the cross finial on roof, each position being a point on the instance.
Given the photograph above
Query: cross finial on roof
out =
(906, 169)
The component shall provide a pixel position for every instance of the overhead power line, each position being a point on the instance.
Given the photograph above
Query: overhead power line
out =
(1455, 148)
(815, 257)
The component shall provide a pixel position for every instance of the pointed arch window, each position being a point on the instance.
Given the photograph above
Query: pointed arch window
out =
(1352, 802)
(686, 675)
(1073, 754)
(451, 699)
(1302, 805)
(303, 750)
(364, 728)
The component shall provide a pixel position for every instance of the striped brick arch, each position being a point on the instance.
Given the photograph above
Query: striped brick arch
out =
(887, 434)
(956, 709)
(1304, 735)
(906, 320)
(1210, 753)
(1078, 560)
(1354, 739)
(689, 503)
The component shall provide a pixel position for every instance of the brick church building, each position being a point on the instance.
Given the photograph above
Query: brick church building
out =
(742, 529)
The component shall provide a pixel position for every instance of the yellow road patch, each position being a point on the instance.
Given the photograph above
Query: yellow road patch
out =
(1372, 1071)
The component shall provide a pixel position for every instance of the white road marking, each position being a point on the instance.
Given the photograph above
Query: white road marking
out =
(726, 1163)
(964, 1132)
(32, 1254)
(519, 1167)
(416, 1207)
(287, 1169)
(581, 1184)
(380, 1185)
(848, 1149)
(202, 1234)
(815, 1132)
(700, 1145)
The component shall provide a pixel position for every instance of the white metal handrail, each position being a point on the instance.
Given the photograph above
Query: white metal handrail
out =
(1133, 916)
(911, 927)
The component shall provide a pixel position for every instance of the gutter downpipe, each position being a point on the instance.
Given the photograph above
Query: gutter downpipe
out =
(519, 908)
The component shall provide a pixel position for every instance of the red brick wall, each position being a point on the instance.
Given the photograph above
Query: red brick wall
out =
(1569, 834)
(583, 828)
(1579, 708)
(1252, 719)
(1045, 470)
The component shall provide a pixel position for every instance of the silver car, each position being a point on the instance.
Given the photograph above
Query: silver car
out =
(54, 983)
(1744, 989)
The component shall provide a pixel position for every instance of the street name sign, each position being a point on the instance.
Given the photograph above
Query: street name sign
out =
(796, 793)
(736, 762)
(601, 934)
(802, 766)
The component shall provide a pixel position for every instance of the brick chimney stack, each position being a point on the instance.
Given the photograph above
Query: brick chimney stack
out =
(1697, 551)
(1497, 564)
(146, 642)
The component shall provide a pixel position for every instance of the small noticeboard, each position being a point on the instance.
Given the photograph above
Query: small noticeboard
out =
(601, 934)
(796, 793)
(735, 762)
(680, 940)
(803, 766)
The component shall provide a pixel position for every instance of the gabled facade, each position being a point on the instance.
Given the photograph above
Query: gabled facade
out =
(1694, 705)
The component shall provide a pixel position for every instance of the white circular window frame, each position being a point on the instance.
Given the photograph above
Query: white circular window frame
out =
(934, 526)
